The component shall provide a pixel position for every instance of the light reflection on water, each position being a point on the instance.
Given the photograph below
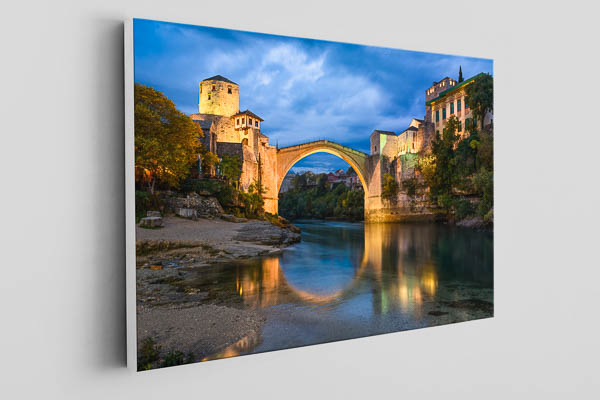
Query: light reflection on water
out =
(348, 280)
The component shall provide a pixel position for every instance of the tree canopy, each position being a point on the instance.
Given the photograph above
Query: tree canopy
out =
(166, 140)
(481, 96)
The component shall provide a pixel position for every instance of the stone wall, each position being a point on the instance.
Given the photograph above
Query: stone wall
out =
(195, 205)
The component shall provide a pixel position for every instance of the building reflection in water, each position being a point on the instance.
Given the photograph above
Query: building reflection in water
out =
(355, 270)
(396, 268)
(242, 346)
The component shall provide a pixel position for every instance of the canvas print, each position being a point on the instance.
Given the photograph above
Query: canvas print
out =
(290, 191)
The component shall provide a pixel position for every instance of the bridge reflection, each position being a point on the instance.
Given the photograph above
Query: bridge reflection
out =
(387, 271)
(358, 274)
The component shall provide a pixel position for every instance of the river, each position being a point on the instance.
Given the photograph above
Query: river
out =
(347, 280)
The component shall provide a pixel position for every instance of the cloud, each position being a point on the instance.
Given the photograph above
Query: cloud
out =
(303, 89)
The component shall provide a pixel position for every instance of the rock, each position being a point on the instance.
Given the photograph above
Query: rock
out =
(204, 206)
(151, 222)
(153, 214)
(474, 223)
(268, 234)
(232, 218)
(187, 212)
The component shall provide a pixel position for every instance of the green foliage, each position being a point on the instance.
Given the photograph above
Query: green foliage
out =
(445, 201)
(459, 167)
(483, 182)
(444, 175)
(313, 197)
(464, 208)
(148, 353)
(481, 96)
(231, 168)
(144, 202)
(209, 162)
(177, 358)
(166, 140)
(410, 185)
(253, 202)
(390, 187)
(485, 150)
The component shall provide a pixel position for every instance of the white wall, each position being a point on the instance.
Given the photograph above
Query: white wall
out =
(61, 215)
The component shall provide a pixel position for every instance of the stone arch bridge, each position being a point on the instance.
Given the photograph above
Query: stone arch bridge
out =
(286, 157)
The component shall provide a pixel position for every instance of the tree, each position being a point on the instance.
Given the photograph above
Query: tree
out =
(390, 187)
(231, 168)
(444, 176)
(481, 96)
(209, 161)
(460, 76)
(166, 140)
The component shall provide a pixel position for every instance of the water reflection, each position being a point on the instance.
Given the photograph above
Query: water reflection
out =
(349, 280)
(398, 265)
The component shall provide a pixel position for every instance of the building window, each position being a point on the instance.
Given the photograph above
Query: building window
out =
(437, 133)
(237, 121)
(256, 123)
(413, 145)
(229, 90)
(250, 121)
(466, 103)
(375, 151)
(458, 105)
(452, 108)
(444, 113)
(437, 115)
(209, 96)
(459, 125)
(214, 87)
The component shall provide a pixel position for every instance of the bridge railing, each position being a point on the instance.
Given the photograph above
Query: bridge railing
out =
(312, 143)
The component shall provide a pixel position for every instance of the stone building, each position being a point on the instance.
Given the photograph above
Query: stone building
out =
(446, 98)
(229, 131)
(414, 139)
(397, 154)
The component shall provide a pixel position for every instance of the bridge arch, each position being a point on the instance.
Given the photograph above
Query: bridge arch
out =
(288, 156)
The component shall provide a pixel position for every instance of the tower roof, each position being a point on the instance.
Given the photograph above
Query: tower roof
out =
(219, 78)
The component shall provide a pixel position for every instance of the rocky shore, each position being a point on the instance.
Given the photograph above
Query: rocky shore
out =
(174, 315)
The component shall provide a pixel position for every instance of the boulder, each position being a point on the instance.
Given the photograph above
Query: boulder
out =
(151, 222)
(205, 206)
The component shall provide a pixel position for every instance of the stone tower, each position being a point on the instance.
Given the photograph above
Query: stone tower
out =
(219, 96)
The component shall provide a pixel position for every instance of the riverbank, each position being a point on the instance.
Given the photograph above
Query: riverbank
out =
(199, 242)
(173, 317)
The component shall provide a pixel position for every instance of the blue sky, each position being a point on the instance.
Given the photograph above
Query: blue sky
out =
(304, 89)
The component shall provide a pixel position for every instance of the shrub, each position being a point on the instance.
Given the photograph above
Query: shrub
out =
(144, 202)
(483, 182)
(445, 201)
(390, 187)
(147, 354)
(464, 208)
(177, 358)
(411, 186)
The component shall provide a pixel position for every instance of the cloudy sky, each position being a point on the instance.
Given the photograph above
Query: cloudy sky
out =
(304, 89)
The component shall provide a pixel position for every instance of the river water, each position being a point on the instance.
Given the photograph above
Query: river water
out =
(348, 280)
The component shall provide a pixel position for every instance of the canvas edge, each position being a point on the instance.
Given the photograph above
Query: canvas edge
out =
(129, 196)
